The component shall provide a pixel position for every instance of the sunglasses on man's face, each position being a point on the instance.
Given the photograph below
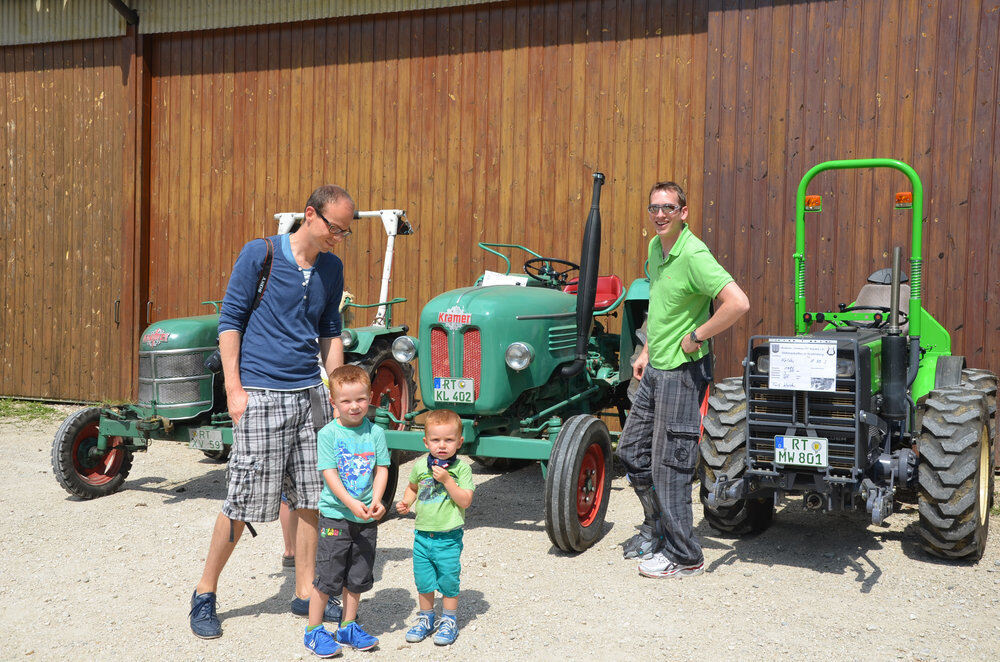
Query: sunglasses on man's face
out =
(334, 230)
(666, 209)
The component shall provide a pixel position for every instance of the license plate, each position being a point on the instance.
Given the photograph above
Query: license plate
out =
(206, 439)
(801, 451)
(447, 389)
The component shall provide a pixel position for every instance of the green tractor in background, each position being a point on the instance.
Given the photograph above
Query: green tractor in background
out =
(529, 370)
(864, 411)
(182, 397)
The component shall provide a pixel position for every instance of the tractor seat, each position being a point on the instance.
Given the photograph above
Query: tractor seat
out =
(878, 292)
(609, 288)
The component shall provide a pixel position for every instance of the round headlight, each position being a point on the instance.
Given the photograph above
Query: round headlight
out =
(404, 348)
(763, 364)
(348, 337)
(519, 355)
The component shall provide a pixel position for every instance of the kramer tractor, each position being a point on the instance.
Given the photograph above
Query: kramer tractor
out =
(526, 366)
(182, 397)
(858, 414)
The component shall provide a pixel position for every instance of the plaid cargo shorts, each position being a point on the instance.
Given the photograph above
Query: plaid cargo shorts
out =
(274, 452)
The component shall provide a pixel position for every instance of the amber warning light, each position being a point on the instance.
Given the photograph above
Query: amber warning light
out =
(814, 203)
(904, 200)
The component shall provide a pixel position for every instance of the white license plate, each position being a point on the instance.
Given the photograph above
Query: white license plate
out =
(801, 451)
(206, 439)
(459, 390)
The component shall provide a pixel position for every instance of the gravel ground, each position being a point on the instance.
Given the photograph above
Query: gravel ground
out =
(111, 578)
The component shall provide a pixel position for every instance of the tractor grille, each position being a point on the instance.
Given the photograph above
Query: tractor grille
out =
(472, 356)
(440, 367)
(176, 379)
(831, 415)
(562, 338)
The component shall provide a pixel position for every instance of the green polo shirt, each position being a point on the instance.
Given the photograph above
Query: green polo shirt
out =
(681, 287)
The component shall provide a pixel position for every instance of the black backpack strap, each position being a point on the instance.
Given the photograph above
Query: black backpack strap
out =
(265, 273)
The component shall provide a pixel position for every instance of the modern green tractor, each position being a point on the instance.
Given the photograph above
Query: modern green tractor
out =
(182, 397)
(526, 366)
(864, 411)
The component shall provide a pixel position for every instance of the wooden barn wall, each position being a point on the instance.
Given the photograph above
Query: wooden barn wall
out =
(485, 123)
(789, 85)
(66, 203)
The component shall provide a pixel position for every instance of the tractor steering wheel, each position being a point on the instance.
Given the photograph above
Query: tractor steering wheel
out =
(873, 324)
(540, 269)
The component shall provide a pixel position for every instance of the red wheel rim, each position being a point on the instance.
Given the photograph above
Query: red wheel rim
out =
(590, 485)
(389, 380)
(96, 469)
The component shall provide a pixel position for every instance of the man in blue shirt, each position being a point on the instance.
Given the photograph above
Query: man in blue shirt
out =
(275, 392)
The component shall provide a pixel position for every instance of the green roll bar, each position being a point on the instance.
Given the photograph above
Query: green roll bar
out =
(916, 263)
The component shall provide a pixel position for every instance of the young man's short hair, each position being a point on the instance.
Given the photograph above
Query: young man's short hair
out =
(349, 374)
(671, 186)
(443, 417)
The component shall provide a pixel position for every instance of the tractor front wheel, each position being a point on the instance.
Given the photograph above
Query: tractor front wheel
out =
(955, 473)
(578, 483)
(723, 450)
(79, 467)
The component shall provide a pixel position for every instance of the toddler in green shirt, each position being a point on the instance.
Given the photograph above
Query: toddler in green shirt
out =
(439, 491)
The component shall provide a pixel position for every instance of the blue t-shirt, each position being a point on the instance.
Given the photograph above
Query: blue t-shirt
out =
(279, 346)
(354, 453)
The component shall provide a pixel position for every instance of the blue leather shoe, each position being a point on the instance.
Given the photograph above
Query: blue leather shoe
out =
(204, 621)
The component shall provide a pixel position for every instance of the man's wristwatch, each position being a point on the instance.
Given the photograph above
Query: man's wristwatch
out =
(694, 338)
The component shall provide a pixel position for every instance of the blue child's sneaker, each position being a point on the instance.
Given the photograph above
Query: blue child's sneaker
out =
(300, 607)
(352, 635)
(447, 631)
(204, 621)
(423, 628)
(321, 642)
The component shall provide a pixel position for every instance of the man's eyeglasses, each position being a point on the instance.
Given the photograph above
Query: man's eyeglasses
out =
(334, 230)
(666, 209)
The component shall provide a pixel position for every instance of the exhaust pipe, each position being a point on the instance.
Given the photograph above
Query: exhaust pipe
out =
(586, 287)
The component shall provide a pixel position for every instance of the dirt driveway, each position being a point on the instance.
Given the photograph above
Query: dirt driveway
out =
(110, 579)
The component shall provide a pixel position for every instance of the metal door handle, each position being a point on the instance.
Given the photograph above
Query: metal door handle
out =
(117, 304)
(149, 311)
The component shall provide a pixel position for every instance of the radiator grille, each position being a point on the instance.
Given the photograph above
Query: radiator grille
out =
(440, 366)
(774, 412)
(472, 356)
(175, 393)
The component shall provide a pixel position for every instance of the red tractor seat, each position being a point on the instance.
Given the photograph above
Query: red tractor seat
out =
(609, 288)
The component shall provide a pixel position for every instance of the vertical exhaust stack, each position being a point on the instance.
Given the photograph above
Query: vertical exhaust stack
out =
(894, 405)
(590, 257)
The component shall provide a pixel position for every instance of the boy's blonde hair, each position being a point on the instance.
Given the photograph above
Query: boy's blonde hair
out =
(348, 374)
(443, 417)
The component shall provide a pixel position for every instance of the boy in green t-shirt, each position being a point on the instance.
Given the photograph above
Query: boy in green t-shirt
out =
(354, 460)
(439, 491)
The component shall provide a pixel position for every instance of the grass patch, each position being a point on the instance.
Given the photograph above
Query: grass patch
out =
(27, 410)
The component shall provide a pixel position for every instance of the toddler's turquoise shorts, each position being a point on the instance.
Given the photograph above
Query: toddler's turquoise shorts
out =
(437, 561)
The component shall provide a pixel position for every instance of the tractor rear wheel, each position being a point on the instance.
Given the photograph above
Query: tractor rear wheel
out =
(79, 467)
(578, 483)
(723, 450)
(955, 473)
(390, 379)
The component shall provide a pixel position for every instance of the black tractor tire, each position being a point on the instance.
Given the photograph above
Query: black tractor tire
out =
(986, 382)
(389, 496)
(955, 473)
(219, 456)
(723, 450)
(578, 483)
(78, 471)
(389, 377)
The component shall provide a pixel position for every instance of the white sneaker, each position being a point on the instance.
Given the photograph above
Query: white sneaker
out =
(660, 566)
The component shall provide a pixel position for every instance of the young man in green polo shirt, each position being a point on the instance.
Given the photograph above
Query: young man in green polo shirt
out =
(659, 444)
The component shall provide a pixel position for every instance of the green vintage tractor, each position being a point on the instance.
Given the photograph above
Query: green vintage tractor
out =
(868, 409)
(526, 365)
(182, 397)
